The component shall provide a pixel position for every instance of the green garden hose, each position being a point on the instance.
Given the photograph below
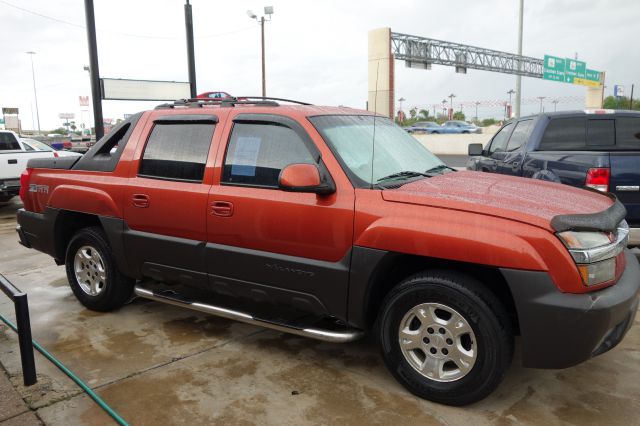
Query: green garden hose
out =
(110, 411)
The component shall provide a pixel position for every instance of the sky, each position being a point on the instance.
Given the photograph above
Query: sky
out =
(316, 51)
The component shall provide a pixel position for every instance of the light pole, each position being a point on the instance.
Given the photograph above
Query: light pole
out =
(555, 104)
(510, 92)
(451, 96)
(541, 99)
(401, 100)
(519, 77)
(268, 10)
(444, 106)
(477, 103)
(35, 94)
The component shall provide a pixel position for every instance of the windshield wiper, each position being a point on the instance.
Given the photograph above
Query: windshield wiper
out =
(404, 174)
(439, 168)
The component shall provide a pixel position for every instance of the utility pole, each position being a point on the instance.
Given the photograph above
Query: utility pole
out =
(519, 77)
(477, 103)
(631, 98)
(191, 59)
(35, 94)
(96, 94)
(555, 105)
(401, 100)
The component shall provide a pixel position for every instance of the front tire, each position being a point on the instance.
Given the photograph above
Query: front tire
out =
(92, 272)
(445, 337)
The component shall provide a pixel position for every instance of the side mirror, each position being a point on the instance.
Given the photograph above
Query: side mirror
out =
(475, 149)
(304, 178)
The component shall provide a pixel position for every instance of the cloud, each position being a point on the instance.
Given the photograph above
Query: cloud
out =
(316, 51)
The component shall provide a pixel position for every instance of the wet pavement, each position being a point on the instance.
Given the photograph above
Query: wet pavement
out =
(159, 364)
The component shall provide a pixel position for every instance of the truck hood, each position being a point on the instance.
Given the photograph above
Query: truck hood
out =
(524, 200)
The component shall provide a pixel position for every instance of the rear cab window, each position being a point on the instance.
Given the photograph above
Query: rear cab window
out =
(177, 151)
(564, 134)
(628, 133)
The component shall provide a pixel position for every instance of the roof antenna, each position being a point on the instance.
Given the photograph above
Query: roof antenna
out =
(375, 113)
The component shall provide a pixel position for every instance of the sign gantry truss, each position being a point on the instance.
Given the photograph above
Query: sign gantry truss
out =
(427, 51)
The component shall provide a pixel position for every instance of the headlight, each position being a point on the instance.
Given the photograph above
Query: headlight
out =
(585, 240)
(599, 272)
(595, 253)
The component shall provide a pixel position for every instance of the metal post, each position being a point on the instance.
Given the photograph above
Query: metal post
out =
(264, 84)
(519, 77)
(35, 94)
(631, 99)
(96, 92)
(24, 339)
(188, 21)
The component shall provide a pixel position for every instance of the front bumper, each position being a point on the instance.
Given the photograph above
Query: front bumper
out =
(634, 237)
(8, 188)
(560, 330)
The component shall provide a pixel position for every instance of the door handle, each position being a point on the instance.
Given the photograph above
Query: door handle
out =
(222, 208)
(140, 200)
(12, 161)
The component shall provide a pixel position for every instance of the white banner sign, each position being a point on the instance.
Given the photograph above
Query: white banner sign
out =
(143, 90)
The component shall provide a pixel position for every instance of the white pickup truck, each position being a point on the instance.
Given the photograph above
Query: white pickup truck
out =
(14, 155)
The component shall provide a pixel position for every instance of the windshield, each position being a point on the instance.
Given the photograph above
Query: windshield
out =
(350, 137)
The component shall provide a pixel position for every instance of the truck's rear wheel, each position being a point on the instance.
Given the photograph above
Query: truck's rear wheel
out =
(92, 272)
(445, 337)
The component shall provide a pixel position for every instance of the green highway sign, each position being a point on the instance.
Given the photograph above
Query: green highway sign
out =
(553, 68)
(593, 75)
(569, 71)
(574, 69)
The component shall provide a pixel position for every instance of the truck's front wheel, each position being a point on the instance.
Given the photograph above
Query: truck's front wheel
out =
(92, 272)
(445, 337)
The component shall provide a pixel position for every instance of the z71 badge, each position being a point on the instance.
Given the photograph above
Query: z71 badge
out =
(42, 189)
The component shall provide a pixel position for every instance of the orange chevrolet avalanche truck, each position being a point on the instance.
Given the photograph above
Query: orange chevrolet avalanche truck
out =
(331, 223)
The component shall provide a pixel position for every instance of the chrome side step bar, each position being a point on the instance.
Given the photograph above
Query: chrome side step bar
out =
(324, 335)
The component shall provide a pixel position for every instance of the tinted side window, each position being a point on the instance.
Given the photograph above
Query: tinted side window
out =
(600, 132)
(564, 134)
(258, 151)
(499, 143)
(177, 151)
(8, 142)
(628, 132)
(520, 135)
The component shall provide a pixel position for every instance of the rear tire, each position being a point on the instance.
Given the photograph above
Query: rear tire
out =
(445, 337)
(92, 272)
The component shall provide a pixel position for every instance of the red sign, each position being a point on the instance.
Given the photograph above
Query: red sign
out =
(84, 100)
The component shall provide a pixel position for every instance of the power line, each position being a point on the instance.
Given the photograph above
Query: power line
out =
(62, 21)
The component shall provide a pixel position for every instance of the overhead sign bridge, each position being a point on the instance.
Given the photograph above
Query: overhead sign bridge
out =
(421, 52)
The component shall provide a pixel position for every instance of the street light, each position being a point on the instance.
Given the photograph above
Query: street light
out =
(555, 104)
(519, 77)
(444, 107)
(541, 99)
(35, 94)
(401, 100)
(477, 103)
(268, 10)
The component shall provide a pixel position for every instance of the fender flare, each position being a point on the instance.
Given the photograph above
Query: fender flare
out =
(84, 200)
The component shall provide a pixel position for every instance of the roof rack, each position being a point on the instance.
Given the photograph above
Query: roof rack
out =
(229, 102)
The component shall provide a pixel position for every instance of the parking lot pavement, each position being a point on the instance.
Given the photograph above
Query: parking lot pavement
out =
(159, 364)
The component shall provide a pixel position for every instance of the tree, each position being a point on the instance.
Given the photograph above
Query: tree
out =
(73, 126)
(413, 112)
(622, 102)
(424, 114)
(459, 115)
(59, 131)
